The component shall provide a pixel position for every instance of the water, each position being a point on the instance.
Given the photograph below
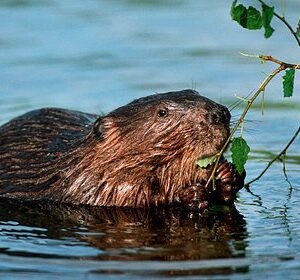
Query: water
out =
(97, 55)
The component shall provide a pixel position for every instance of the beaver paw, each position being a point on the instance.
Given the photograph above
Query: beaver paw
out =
(229, 182)
(194, 197)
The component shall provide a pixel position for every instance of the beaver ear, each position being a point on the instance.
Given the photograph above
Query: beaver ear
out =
(99, 128)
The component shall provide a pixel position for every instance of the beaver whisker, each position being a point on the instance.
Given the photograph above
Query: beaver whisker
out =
(237, 103)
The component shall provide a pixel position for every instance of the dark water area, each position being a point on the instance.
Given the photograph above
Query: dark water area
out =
(94, 56)
(61, 241)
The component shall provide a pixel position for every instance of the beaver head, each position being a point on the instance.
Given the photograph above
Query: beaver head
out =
(146, 151)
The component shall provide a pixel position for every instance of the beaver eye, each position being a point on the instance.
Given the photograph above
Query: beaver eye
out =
(163, 112)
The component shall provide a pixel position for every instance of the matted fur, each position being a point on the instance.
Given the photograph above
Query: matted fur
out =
(130, 157)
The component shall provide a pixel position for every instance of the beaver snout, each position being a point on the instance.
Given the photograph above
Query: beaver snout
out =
(219, 115)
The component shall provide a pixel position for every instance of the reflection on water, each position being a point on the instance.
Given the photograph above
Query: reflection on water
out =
(117, 234)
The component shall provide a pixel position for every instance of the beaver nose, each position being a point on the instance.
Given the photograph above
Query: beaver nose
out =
(219, 116)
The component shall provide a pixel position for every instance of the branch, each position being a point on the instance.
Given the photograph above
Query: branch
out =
(282, 66)
(283, 152)
(279, 62)
(294, 33)
(241, 119)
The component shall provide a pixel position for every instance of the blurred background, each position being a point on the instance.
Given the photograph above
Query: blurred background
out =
(96, 55)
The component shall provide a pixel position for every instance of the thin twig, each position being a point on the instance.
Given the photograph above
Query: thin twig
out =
(279, 62)
(294, 33)
(282, 66)
(277, 157)
(241, 119)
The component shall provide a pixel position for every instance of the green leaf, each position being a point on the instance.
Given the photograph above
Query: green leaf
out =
(254, 19)
(267, 15)
(248, 18)
(288, 82)
(204, 162)
(239, 14)
(239, 153)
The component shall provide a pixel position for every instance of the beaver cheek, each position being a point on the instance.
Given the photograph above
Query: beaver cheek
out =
(219, 124)
(220, 135)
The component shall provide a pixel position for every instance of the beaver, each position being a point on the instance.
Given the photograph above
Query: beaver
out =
(142, 154)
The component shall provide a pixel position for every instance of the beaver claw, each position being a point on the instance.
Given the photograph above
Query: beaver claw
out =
(194, 197)
(229, 182)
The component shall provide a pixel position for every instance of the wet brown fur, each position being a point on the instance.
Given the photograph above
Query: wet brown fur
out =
(130, 157)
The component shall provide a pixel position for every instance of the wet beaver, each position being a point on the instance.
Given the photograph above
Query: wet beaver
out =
(139, 155)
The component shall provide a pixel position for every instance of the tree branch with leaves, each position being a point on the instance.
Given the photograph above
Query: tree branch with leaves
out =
(252, 19)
